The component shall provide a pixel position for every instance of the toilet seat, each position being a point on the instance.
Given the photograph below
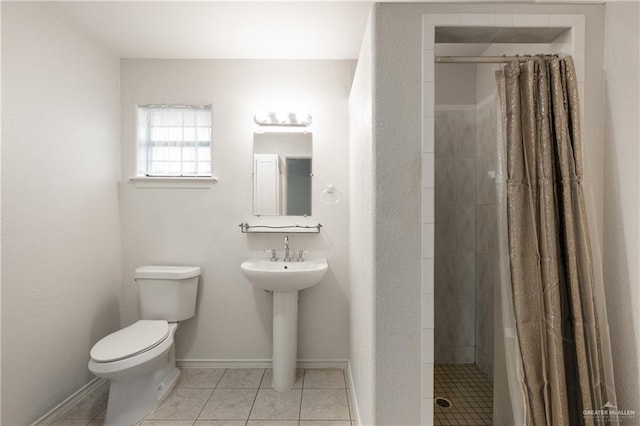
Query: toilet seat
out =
(108, 369)
(133, 340)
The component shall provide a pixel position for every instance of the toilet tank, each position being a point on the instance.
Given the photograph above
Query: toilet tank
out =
(167, 292)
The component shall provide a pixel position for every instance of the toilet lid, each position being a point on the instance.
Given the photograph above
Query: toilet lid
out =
(137, 338)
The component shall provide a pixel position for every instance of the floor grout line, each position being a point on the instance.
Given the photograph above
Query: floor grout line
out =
(190, 386)
(344, 377)
(304, 374)
(264, 372)
(470, 391)
(210, 396)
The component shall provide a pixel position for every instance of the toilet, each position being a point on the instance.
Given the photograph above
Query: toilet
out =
(139, 360)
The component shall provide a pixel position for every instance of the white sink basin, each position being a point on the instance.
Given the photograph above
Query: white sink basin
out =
(284, 279)
(284, 276)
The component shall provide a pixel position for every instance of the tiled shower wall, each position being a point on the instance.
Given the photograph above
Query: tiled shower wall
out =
(465, 232)
(486, 231)
(455, 233)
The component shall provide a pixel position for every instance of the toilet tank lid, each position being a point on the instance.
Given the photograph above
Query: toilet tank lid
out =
(157, 272)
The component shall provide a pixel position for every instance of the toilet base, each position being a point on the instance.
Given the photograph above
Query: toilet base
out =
(132, 398)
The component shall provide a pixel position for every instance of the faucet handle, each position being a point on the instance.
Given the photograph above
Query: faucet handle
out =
(301, 254)
(273, 253)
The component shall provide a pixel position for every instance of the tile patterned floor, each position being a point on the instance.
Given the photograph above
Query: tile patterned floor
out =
(470, 392)
(235, 397)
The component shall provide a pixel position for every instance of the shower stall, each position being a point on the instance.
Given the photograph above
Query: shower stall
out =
(469, 361)
(465, 241)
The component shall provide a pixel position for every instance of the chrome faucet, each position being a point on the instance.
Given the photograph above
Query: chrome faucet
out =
(287, 256)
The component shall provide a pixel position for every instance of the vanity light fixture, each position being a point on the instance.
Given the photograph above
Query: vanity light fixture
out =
(280, 118)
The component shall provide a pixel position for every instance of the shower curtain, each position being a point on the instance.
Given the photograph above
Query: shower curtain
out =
(556, 333)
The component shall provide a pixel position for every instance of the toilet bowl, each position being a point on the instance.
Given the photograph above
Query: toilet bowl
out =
(139, 376)
(139, 360)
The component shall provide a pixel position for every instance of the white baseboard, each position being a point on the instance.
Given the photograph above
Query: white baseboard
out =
(352, 396)
(69, 402)
(258, 363)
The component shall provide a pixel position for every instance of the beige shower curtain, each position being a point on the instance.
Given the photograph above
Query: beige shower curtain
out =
(560, 328)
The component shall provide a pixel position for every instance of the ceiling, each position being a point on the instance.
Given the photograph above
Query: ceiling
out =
(474, 41)
(497, 34)
(234, 30)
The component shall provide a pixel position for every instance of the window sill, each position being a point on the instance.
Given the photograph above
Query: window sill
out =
(172, 182)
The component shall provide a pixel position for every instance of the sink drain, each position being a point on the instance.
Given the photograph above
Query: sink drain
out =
(443, 403)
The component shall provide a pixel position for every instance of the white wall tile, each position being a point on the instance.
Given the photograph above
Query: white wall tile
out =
(465, 228)
(578, 53)
(565, 37)
(444, 19)
(428, 134)
(478, 19)
(427, 346)
(428, 170)
(427, 240)
(428, 205)
(464, 179)
(427, 380)
(427, 412)
(504, 20)
(562, 48)
(578, 37)
(427, 310)
(428, 98)
(578, 61)
(531, 20)
(565, 20)
(428, 32)
(428, 65)
(427, 276)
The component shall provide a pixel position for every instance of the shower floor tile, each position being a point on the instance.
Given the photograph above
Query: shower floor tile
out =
(235, 397)
(469, 391)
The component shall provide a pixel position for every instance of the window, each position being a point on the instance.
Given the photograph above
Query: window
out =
(174, 140)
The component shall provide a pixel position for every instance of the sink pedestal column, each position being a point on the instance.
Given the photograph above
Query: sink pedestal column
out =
(285, 339)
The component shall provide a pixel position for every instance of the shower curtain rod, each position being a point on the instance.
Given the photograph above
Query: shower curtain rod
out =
(482, 59)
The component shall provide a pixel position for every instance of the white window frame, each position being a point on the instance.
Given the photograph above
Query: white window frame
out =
(144, 178)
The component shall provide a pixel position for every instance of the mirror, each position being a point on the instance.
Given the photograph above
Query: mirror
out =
(282, 171)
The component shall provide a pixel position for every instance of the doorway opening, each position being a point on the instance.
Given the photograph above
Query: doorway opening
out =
(468, 353)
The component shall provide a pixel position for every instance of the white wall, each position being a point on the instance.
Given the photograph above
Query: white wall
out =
(60, 227)
(200, 226)
(397, 164)
(621, 253)
(361, 231)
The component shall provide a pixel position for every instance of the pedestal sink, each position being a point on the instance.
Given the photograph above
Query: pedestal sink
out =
(285, 279)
